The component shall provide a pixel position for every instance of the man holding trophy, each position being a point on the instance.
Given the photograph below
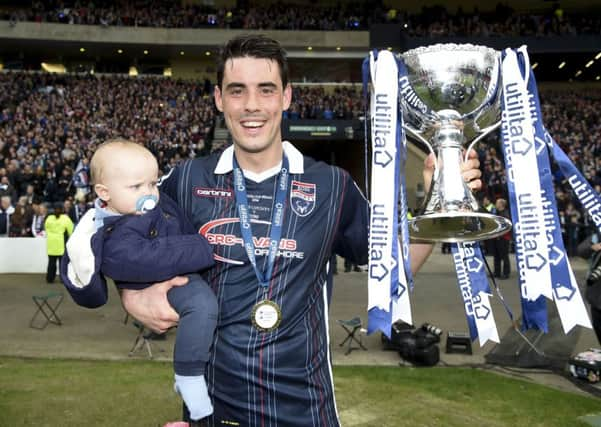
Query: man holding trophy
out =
(270, 363)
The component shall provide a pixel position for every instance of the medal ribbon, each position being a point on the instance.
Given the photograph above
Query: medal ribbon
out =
(277, 219)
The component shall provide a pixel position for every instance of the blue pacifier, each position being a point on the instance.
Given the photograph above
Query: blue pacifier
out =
(146, 203)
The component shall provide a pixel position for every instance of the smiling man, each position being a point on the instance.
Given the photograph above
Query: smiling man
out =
(273, 217)
(251, 94)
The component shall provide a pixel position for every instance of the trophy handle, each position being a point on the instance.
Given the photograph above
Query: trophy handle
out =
(485, 132)
(427, 144)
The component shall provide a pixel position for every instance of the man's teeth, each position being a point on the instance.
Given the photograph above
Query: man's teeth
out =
(252, 124)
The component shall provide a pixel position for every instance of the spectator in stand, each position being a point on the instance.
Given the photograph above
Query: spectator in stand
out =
(64, 187)
(81, 179)
(50, 192)
(573, 228)
(560, 198)
(21, 219)
(78, 209)
(7, 189)
(26, 178)
(58, 227)
(497, 184)
(30, 195)
(328, 114)
(6, 210)
(39, 217)
(487, 204)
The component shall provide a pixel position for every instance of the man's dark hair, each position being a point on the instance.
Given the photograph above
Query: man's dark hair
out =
(253, 46)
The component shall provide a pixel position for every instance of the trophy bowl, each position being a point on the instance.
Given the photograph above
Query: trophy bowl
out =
(450, 99)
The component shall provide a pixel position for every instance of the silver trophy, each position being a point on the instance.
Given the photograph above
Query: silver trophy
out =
(451, 99)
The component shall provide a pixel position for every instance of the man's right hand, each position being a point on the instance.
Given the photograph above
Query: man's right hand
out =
(150, 305)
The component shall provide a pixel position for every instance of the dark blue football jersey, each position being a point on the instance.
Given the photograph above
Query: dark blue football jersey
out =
(281, 377)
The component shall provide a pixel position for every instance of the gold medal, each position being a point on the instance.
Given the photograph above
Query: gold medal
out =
(266, 315)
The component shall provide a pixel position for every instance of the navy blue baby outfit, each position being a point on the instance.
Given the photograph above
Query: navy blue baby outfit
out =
(137, 251)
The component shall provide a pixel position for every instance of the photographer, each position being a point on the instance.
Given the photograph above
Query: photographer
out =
(590, 248)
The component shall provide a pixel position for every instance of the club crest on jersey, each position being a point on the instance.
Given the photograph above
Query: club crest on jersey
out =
(302, 197)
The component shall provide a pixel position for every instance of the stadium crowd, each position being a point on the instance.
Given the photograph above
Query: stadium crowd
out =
(341, 103)
(50, 125)
(360, 15)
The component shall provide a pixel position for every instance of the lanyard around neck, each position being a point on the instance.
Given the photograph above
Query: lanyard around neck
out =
(277, 219)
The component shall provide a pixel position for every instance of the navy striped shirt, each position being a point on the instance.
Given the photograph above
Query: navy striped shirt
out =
(282, 377)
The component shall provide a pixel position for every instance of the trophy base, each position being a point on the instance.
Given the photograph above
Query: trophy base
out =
(454, 227)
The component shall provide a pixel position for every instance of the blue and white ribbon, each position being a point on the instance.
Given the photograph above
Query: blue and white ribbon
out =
(388, 290)
(587, 195)
(542, 263)
(475, 291)
(402, 189)
(523, 182)
(566, 294)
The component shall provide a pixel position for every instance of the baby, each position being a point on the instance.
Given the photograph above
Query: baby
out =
(143, 238)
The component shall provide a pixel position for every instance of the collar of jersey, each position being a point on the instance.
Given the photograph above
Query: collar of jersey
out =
(295, 161)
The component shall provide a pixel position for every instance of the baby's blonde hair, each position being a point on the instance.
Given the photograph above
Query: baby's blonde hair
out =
(98, 161)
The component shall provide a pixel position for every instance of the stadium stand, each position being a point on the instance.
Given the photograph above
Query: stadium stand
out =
(431, 21)
(51, 123)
